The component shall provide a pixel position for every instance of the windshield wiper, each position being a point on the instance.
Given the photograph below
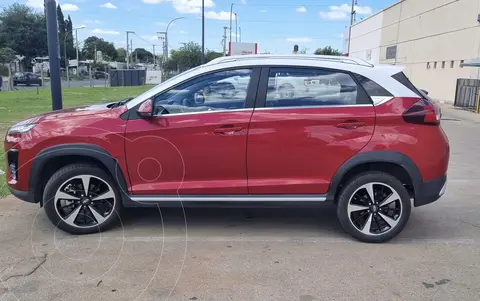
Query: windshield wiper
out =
(120, 103)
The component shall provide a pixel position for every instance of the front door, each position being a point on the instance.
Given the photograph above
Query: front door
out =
(196, 142)
(306, 123)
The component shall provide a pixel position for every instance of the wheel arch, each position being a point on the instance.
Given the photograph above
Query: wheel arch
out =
(49, 160)
(395, 163)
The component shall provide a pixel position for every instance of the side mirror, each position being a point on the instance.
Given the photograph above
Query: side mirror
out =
(146, 109)
(424, 91)
(199, 98)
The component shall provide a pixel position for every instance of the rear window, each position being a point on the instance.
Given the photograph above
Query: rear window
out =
(372, 88)
(403, 79)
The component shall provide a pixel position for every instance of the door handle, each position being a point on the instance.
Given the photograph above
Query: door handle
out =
(351, 124)
(227, 130)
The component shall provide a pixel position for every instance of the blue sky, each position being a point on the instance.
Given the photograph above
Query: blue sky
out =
(276, 25)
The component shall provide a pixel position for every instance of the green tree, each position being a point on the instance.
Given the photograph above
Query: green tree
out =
(94, 43)
(328, 50)
(24, 31)
(71, 53)
(211, 55)
(121, 54)
(141, 55)
(188, 56)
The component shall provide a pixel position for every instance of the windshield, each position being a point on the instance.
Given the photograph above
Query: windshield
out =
(143, 96)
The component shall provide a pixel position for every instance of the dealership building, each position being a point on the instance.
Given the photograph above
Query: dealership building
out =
(431, 38)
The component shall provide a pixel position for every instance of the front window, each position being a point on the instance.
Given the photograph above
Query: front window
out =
(219, 91)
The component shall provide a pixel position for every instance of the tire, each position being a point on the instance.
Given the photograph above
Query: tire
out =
(388, 215)
(286, 91)
(92, 215)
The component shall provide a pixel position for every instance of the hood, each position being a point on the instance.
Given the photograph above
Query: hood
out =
(69, 113)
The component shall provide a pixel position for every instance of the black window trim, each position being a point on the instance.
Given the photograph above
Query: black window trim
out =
(131, 114)
(261, 98)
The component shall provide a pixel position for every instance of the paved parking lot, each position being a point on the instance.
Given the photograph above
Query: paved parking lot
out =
(232, 254)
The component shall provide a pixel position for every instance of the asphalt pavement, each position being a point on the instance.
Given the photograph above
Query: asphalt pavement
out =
(233, 254)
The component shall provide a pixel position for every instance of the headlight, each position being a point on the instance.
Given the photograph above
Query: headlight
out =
(18, 129)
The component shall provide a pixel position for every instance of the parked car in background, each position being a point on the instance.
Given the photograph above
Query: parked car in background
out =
(100, 75)
(359, 136)
(26, 78)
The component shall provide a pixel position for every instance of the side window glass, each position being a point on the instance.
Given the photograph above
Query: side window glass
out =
(372, 88)
(219, 91)
(303, 87)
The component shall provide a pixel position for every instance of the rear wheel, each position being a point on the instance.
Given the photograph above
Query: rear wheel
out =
(82, 199)
(374, 207)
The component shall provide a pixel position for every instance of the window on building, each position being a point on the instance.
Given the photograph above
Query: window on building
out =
(435, 65)
(461, 63)
(452, 63)
(443, 65)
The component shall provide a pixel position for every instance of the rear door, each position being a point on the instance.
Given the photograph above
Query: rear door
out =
(297, 141)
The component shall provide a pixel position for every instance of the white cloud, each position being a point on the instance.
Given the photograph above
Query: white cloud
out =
(150, 37)
(108, 5)
(361, 10)
(342, 12)
(182, 32)
(105, 32)
(155, 1)
(223, 15)
(244, 2)
(301, 9)
(333, 15)
(300, 40)
(69, 7)
(263, 10)
(35, 3)
(341, 35)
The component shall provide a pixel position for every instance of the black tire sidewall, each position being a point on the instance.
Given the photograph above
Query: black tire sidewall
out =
(353, 185)
(63, 175)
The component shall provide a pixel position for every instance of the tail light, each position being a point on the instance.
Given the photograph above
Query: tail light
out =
(423, 112)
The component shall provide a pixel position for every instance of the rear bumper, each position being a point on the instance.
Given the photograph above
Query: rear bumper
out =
(430, 191)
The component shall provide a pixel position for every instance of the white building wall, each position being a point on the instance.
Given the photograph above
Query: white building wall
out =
(366, 39)
(426, 32)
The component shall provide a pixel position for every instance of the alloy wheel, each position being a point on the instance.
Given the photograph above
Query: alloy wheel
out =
(375, 209)
(84, 201)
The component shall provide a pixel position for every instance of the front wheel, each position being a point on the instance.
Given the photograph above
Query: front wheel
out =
(82, 199)
(374, 207)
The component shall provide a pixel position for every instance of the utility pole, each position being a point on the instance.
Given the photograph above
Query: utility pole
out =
(127, 54)
(53, 54)
(231, 13)
(352, 19)
(224, 40)
(162, 37)
(240, 31)
(203, 32)
(154, 56)
(236, 28)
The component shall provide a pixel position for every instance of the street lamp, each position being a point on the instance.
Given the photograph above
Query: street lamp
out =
(65, 49)
(236, 27)
(166, 34)
(231, 12)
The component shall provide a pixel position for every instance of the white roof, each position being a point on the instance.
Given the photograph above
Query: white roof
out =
(380, 74)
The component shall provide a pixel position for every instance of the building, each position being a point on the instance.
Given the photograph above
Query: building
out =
(431, 38)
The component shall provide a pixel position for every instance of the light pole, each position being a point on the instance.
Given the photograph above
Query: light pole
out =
(231, 12)
(240, 31)
(203, 32)
(65, 50)
(236, 27)
(166, 34)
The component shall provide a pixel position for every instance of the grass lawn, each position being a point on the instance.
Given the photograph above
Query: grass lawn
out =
(18, 105)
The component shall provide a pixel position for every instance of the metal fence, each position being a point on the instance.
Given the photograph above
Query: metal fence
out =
(467, 94)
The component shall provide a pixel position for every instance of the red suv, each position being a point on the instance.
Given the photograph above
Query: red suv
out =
(347, 132)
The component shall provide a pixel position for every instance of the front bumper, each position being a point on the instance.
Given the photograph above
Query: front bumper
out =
(430, 191)
(23, 195)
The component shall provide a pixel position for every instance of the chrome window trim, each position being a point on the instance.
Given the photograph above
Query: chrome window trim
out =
(312, 107)
(230, 198)
(204, 112)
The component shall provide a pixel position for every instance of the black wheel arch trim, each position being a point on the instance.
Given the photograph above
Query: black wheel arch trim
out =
(376, 157)
(85, 150)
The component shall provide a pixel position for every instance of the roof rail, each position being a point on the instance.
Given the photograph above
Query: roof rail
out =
(331, 58)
